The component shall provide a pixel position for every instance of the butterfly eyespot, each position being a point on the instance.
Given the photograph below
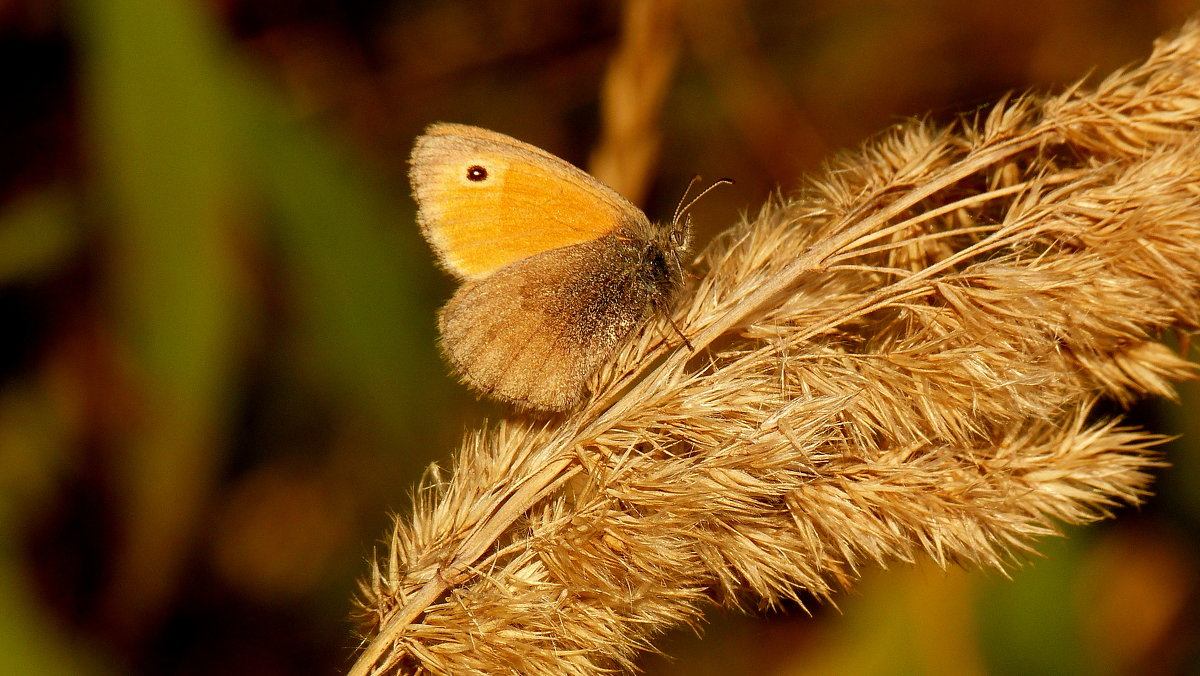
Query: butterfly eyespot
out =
(476, 173)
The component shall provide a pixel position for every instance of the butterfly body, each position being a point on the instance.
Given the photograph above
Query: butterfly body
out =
(557, 268)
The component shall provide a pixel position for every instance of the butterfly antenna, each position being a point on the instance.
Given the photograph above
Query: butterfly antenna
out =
(683, 209)
(679, 208)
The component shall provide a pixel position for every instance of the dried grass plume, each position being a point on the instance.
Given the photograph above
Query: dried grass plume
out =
(898, 361)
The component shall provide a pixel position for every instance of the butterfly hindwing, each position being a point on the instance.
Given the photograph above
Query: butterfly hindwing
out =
(534, 331)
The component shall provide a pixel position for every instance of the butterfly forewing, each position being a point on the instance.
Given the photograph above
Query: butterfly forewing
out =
(487, 200)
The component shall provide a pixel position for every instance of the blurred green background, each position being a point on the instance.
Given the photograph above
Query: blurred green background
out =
(219, 378)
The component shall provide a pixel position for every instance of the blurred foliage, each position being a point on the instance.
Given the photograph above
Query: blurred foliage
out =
(219, 373)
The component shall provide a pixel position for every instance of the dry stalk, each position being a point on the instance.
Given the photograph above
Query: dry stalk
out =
(635, 87)
(897, 362)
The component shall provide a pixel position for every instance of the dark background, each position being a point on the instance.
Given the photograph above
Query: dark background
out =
(218, 375)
